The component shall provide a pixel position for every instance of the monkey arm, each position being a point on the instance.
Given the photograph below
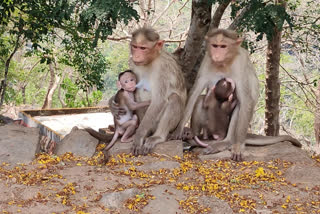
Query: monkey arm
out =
(115, 109)
(228, 106)
(132, 105)
(196, 90)
(149, 121)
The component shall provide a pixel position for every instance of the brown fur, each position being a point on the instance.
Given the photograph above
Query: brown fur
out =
(225, 58)
(125, 125)
(159, 71)
(212, 112)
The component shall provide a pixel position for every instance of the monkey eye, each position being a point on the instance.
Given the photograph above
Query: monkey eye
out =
(223, 46)
(143, 48)
(126, 81)
(215, 46)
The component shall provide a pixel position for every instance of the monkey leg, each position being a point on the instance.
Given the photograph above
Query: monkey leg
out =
(130, 127)
(169, 120)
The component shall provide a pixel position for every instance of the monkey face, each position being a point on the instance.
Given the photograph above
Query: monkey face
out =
(143, 51)
(128, 81)
(222, 49)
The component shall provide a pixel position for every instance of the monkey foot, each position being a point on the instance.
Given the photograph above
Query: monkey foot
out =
(211, 150)
(237, 157)
(150, 143)
(137, 146)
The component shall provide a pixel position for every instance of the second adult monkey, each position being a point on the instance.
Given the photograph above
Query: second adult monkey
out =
(125, 125)
(226, 58)
(161, 80)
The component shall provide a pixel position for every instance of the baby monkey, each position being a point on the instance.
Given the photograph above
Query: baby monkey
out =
(125, 125)
(213, 111)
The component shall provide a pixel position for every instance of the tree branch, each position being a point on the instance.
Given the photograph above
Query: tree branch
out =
(216, 19)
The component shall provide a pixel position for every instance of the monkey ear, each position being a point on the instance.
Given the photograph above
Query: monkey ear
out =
(239, 41)
(118, 85)
(159, 44)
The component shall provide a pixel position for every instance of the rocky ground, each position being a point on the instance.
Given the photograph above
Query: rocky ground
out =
(274, 179)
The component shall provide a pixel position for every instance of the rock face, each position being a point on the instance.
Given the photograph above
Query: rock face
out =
(78, 142)
(115, 200)
(166, 200)
(284, 150)
(169, 148)
(157, 183)
(18, 144)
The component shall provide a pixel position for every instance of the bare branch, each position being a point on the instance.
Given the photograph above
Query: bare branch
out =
(162, 13)
(215, 22)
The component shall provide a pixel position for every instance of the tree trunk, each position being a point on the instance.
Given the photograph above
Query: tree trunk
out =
(23, 90)
(3, 83)
(317, 116)
(200, 22)
(272, 88)
(54, 80)
(191, 55)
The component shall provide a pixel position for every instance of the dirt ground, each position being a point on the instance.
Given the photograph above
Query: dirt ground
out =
(274, 179)
(157, 184)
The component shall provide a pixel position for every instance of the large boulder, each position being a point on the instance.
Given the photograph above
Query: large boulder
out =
(79, 142)
(18, 144)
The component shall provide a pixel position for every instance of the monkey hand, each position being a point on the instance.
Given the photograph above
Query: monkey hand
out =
(137, 146)
(116, 110)
(178, 133)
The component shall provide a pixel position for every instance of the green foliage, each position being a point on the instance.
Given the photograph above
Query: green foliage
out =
(261, 17)
(80, 23)
(71, 90)
(108, 13)
(92, 18)
(87, 61)
(72, 99)
(117, 54)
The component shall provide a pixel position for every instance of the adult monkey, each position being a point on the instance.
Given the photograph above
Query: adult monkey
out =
(161, 81)
(225, 58)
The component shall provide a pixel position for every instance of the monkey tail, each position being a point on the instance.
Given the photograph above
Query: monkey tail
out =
(113, 141)
(98, 135)
(260, 140)
(200, 143)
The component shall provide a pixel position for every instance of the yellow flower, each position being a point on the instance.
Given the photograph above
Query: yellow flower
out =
(260, 172)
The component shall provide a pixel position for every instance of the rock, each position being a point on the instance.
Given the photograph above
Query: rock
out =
(216, 205)
(157, 165)
(284, 150)
(115, 200)
(5, 120)
(170, 148)
(18, 144)
(304, 174)
(119, 148)
(78, 142)
(166, 200)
